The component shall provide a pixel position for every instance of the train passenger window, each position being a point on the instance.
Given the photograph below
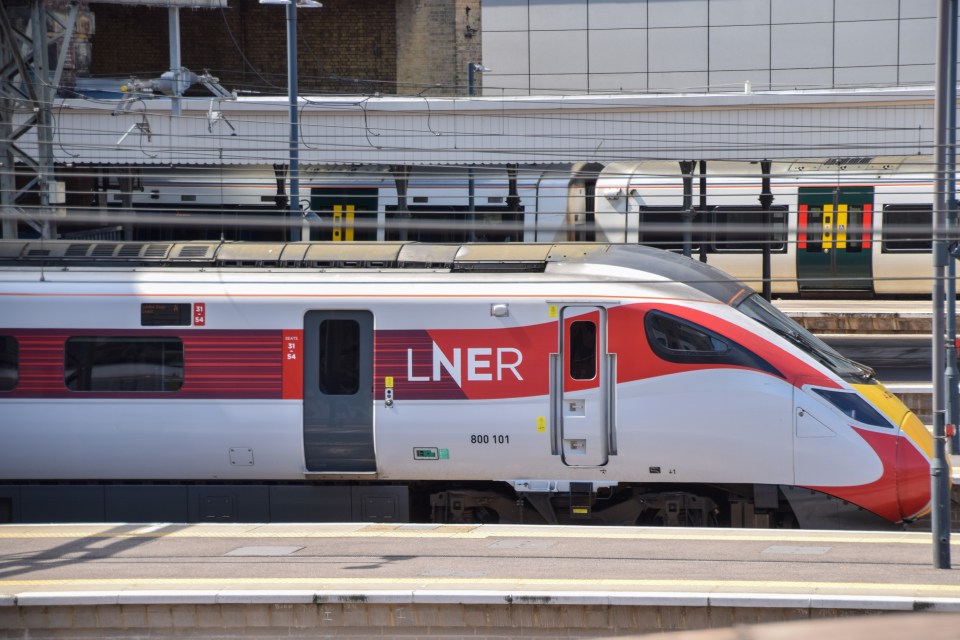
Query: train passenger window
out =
(742, 229)
(125, 364)
(583, 350)
(339, 357)
(663, 227)
(9, 363)
(853, 406)
(907, 228)
(677, 340)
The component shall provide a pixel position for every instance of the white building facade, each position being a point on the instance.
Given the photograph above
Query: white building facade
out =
(537, 47)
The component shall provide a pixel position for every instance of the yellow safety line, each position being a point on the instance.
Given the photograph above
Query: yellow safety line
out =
(26, 532)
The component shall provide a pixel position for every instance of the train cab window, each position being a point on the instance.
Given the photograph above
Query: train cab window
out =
(339, 357)
(672, 335)
(907, 228)
(677, 340)
(9, 363)
(583, 350)
(124, 364)
(743, 229)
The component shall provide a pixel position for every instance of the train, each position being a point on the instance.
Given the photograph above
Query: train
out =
(557, 383)
(834, 226)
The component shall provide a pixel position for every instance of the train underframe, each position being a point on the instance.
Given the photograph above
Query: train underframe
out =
(757, 506)
(746, 506)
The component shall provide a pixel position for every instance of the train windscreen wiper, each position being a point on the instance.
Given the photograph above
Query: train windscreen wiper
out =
(759, 309)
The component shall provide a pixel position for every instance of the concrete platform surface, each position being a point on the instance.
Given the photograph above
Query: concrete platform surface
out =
(43, 564)
(359, 580)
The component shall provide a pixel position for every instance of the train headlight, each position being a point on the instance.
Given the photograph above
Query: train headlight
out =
(852, 405)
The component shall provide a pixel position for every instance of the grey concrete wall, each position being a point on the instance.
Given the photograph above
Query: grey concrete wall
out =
(361, 621)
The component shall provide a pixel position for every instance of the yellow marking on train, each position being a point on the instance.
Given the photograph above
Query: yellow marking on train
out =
(337, 222)
(842, 226)
(355, 530)
(894, 408)
(562, 583)
(827, 232)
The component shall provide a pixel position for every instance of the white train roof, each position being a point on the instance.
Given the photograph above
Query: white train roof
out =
(606, 261)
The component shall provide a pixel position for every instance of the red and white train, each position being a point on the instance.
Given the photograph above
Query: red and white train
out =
(615, 384)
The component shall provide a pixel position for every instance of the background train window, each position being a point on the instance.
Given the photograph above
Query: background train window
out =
(907, 228)
(106, 363)
(677, 340)
(339, 357)
(583, 350)
(452, 223)
(663, 227)
(742, 229)
(9, 363)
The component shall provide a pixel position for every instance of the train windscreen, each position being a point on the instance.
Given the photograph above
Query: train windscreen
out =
(758, 308)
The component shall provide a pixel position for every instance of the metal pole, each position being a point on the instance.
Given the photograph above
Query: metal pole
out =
(44, 126)
(945, 100)
(952, 374)
(766, 199)
(471, 184)
(688, 213)
(703, 206)
(173, 20)
(294, 122)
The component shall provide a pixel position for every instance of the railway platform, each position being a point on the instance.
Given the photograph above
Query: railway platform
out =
(378, 580)
(853, 316)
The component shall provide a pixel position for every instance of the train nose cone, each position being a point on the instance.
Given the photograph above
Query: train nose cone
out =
(909, 462)
(914, 455)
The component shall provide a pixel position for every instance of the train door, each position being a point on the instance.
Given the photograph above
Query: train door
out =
(834, 238)
(338, 392)
(348, 213)
(583, 386)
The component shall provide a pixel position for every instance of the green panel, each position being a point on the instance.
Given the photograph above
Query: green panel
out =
(825, 263)
(325, 201)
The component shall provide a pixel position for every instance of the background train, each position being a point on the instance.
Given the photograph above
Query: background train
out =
(378, 381)
(859, 226)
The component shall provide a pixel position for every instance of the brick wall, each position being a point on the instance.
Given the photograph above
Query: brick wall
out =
(346, 46)
(434, 45)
